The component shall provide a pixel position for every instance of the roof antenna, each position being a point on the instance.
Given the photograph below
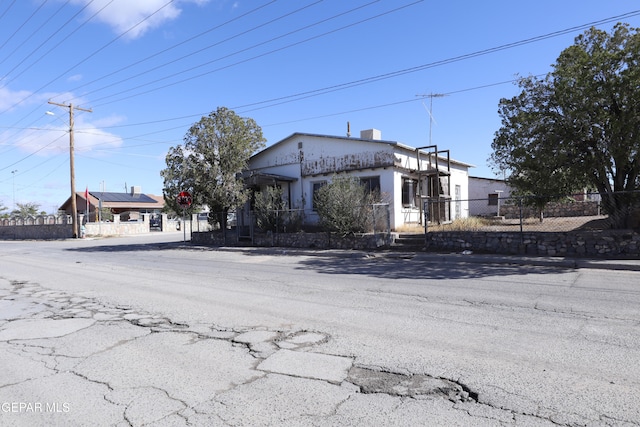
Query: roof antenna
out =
(430, 110)
(348, 130)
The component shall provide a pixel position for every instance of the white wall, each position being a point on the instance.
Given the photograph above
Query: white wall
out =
(479, 190)
(322, 156)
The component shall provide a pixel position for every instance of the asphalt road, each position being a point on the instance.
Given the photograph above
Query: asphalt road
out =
(147, 331)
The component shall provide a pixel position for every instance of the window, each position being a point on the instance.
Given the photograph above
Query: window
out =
(372, 184)
(315, 186)
(493, 199)
(409, 188)
(438, 187)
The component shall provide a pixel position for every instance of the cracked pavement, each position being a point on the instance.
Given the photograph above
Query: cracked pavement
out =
(131, 332)
(84, 361)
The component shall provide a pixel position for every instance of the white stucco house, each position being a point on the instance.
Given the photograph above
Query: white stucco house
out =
(405, 176)
(486, 195)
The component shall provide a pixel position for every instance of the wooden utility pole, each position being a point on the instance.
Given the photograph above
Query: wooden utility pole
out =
(74, 207)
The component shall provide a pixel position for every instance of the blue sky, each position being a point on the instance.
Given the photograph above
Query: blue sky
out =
(149, 69)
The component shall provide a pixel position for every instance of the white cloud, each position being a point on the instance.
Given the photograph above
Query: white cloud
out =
(121, 15)
(9, 98)
(54, 138)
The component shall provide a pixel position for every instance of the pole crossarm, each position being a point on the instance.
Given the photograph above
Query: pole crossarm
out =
(74, 207)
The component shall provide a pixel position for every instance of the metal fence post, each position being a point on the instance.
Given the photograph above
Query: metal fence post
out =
(521, 220)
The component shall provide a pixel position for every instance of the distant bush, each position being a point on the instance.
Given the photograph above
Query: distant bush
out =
(473, 223)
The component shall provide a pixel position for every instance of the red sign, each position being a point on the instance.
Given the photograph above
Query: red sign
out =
(184, 199)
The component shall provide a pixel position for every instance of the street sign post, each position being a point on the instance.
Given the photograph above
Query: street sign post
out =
(184, 199)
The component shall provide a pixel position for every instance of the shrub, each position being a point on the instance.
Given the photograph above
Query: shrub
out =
(268, 207)
(344, 205)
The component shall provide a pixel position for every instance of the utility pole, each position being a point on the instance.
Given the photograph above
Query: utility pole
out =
(74, 207)
(13, 174)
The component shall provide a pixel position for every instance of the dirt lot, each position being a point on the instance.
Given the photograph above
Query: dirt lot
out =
(551, 224)
(598, 222)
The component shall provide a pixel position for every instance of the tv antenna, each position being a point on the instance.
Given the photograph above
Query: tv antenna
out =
(430, 109)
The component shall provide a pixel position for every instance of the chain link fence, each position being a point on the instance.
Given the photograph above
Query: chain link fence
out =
(585, 211)
(375, 218)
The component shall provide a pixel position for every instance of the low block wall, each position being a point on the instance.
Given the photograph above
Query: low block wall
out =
(36, 232)
(116, 229)
(50, 228)
(588, 243)
(596, 243)
(569, 209)
(297, 240)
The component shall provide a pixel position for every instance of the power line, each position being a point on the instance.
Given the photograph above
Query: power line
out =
(6, 81)
(96, 51)
(362, 81)
(197, 52)
(33, 153)
(17, 30)
(190, 39)
(315, 92)
(297, 96)
(7, 9)
(33, 33)
(244, 50)
(393, 74)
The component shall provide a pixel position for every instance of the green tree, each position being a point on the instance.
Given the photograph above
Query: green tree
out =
(24, 210)
(344, 205)
(178, 176)
(105, 214)
(579, 126)
(2, 209)
(216, 149)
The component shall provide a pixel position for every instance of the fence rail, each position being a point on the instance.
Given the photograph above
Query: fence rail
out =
(35, 220)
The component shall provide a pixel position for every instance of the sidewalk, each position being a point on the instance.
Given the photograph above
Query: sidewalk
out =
(559, 262)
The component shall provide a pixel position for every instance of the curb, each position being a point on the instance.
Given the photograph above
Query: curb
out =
(572, 263)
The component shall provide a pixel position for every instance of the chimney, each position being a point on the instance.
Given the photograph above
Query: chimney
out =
(136, 190)
(373, 134)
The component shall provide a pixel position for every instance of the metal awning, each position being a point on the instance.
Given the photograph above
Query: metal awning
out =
(260, 178)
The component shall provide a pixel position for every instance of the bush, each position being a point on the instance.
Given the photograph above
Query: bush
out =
(268, 205)
(344, 206)
(473, 223)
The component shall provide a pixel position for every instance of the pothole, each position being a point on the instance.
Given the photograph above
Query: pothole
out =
(372, 381)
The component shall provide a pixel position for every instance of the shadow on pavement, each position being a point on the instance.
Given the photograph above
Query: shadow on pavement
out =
(416, 268)
(374, 264)
(156, 246)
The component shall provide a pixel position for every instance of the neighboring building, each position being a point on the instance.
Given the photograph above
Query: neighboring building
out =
(128, 205)
(486, 194)
(405, 176)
